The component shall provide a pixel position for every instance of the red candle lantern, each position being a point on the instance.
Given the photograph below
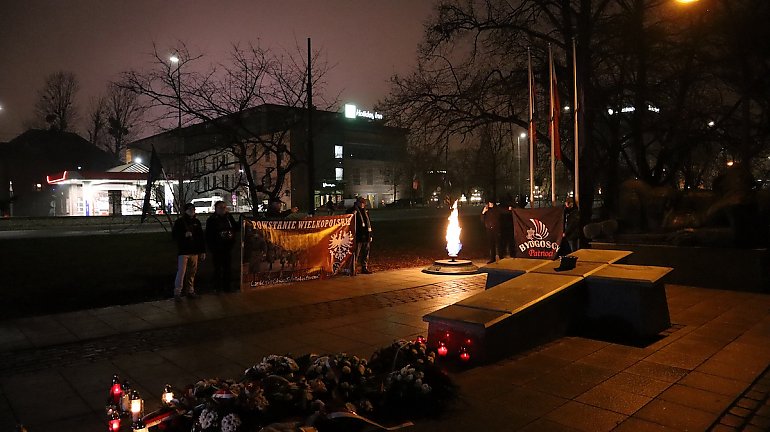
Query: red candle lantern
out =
(464, 355)
(114, 422)
(442, 349)
(116, 391)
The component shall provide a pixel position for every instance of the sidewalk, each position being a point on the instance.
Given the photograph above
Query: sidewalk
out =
(708, 370)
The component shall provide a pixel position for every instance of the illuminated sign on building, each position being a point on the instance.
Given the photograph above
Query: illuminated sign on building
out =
(352, 112)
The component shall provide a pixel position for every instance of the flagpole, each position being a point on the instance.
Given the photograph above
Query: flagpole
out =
(552, 126)
(575, 114)
(531, 133)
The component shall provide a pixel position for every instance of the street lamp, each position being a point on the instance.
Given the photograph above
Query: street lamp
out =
(175, 60)
(518, 159)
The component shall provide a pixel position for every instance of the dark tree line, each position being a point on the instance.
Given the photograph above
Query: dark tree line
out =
(668, 92)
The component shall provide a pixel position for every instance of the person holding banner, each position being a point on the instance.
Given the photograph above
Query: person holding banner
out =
(220, 238)
(363, 233)
(490, 216)
(571, 224)
(191, 246)
(274, 210)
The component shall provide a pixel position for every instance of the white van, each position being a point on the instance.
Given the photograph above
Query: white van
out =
(206, 205)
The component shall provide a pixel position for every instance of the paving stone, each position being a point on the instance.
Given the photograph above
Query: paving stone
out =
(722, 428)
(748, 404)
(760, 422)
(543, 424)
(676, 416)
(608, 397)
(638, 384)
(713, 383)
(696, 398)
(658, 371)
(632, 424)
(586, 417)
(732, 420)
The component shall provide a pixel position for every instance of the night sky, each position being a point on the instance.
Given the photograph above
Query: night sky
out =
(97, 39)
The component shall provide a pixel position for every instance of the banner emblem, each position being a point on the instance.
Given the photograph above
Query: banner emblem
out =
(537, 232)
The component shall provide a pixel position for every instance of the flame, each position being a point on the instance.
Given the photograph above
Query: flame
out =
(453, 230)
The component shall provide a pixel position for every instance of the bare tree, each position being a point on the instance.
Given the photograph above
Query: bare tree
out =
(123, 112)
(646, 94)
(56, 101)
(97, 122)
(218, 95)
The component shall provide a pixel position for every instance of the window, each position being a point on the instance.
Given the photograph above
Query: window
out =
(338, 152)
(205, 183)
(214, 178)
(356, 176)
(338, 174)
(369, 176)
(386, 176)
(226, 180)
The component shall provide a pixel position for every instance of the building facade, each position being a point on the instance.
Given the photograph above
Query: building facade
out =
(352, 157)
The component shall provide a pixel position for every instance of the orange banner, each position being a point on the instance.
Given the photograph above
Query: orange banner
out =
(289, 250)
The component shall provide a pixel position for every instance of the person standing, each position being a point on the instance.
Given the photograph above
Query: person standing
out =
(363, 234)
(506, 244)
(490, 216)
(220, 238)
(191, 248)
(274, 210)
(571, 224)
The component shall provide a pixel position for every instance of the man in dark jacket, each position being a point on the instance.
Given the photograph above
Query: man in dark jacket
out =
(220, 238)
(506, 244)
(363, 233)
(571, 225)
(490, 216)
(274, 210)
(191, 248)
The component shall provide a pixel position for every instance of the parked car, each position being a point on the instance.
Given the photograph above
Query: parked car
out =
(206, 205)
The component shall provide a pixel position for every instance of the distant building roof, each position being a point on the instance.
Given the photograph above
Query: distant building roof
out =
(57, 150)
(262, 119)
(133, 167)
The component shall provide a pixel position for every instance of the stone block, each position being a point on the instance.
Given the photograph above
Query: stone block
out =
(517, 294)
(606, 256)
(509, 268)
(629, 300)
(513, 316)
(582, 269)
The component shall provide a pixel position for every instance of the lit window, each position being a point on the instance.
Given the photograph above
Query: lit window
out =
(337, 152)
(338, 174)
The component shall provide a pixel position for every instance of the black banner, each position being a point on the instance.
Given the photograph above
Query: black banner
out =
(538, 232)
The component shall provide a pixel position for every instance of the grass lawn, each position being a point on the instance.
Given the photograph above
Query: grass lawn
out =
(58, 274)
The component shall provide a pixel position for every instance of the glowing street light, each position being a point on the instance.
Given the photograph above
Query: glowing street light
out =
(521, 136)
(175, 60)
(686, 1)
(711, 123)
(138, 160)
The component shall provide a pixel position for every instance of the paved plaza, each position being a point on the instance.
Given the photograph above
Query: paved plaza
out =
(707, 372)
